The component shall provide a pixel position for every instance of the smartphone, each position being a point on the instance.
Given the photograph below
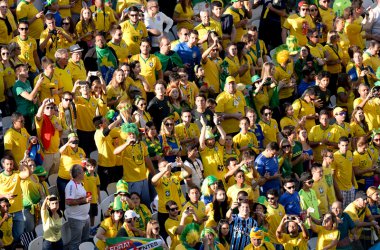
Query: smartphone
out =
(93, 73)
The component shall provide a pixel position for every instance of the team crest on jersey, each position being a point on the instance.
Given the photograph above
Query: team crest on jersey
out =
(141, 32)
(194, 54)
(68, 71)
(81, 156)
(167, 193)
(151, 64)
(55, 81)
(93, 104)
(14, 179)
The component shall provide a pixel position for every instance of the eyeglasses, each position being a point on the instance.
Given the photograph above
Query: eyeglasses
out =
(342, 113)
(169, 124)
(286, 146)
(50, 107)
(271, 198)
(65, 23)
(4, 7)
(23, 28)
(377, 139)
(67, 99)
(173, 209)
(267, 114)
(291, 187)
(143, 104)
(5, 53)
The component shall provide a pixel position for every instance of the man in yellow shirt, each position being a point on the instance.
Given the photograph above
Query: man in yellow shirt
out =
(245, 140)
(103, 16)
(118, 44)
(7, 23)
(149, 63)
(369, 104)
(320, 188)
(133, 31)
(304, 107)
(240, 15)
(258, 242)
(48, 131)
(269, 126)
(275, 213)
(16, 138)
(62, 71)
(197, 206)
(76, 65)
(26, 11)
(136, 162)
(298, 24)
(50, 86)
(341, 128)
(370, 56)
(6, 223)
(294, 239)
(231, 106)
(53, 38)
(343, 172)
(205, 27)
(187, 132)
(328, 16)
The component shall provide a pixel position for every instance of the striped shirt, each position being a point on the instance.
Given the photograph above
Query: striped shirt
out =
(239, 231)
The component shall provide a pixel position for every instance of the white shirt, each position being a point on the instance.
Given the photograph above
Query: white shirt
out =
(157, 22)
(75, 191)
(376, 20)
(196, 172)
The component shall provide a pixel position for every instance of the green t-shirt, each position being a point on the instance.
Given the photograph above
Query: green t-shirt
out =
(296, 152)
(24, 106)
(309, 200)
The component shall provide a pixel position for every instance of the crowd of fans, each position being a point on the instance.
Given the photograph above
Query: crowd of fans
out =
(218, 133)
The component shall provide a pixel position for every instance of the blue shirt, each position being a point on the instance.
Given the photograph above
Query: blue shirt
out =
(303, 86)
(344, 227)
(259, 135)
(239, 231)
(270, 165)
(291, 203)
(191, 56)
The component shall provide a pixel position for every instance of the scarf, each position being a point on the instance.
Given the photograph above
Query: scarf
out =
(169, 61)
(47, 131)
(105, 57)
(8, 24)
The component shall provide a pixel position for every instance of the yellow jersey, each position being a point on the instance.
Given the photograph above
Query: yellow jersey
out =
(16, 142)
(203, 31)
(362, 161)
(212, 159)
(77, 70)
(86, 111)
(54, 43)
(343, 171)
(6, 36)
(370, 113)
(64, 12)
(92, 183)
(298, 26)
(212, 70)
(317, 134)
(149, 68)
(274, 217)
(354, 32)
(110, 229)
(199, 210)
(103, 18)
(28, 46)
(320, 189)
(132, 35)
(26, 11)
(243, 140)
(237, 15)
(190, 91)
(232, 193)
(325, 237)
(334, 54)
(171, 227)
(68, 158)
(11, 184)
(169, 188)
(291, 243)
(284, 74)
(133, 158)
(121, 51)
(328, 16)
(270, 131)
(105, 149)
(233, 67)
(6, 229)
(188, 15)
(65, 78)
(302, 108)
(55, 140)
(48, 84)
(357, 215)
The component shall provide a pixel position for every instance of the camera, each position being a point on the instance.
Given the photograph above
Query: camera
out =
(291, 218)
(53, 32)
(375, 91)
(93, 73)
(51, 100)
(268, 81)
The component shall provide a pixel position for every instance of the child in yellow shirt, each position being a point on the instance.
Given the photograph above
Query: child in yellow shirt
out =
(91, 183)
(6, 222)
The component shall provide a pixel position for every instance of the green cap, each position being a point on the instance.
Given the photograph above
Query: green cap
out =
(255, 78)
(377, 83)
(121, 187)
(130, 128)
(40, 171)
(211, 180)
(117, 204)
(110, 114)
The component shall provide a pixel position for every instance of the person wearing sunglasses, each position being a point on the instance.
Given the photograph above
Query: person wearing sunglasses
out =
(320, 188)
(290, 199)
(285, 159)
(48, 131)
(275, 212)
(328, 233)
(289, 235)
(298, 24)
(269, 126)
(328, 16)
(308, 197)
(153, 232)
(367, 101)
(341, 128)
(128, 229)
(7, 23)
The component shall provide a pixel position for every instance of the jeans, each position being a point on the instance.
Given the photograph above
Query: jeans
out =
(29, 220)
(18, 225)
(61, 185)
(80, 232)
(48, 245)
(142, 188)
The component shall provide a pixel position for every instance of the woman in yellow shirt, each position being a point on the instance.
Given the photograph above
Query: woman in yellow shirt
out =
(99, 92)
(289, 118)
(68, 26)
(358, 125)
(184, 15)
(328, 234)
(217, 209)
(264, 86)
(363, 164)
(115, 89)
(334, 61)
(141, 116)
(111, 225)
(85, 28)
(344, 43)
(244, 59)
(143, 211)
(153, 232)
(9, 77)
(139, 82)
(52, 223)
(224, 233)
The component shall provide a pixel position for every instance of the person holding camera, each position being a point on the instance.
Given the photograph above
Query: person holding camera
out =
(168, 187)
(52, 223)
(368, 101)
(292, 239)
(48, 130)
(71, 154)
(360, 72)
(78, 207)
(53, 38)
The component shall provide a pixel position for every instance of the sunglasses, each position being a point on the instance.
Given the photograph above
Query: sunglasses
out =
(169, 124)
(67, 99)
(271, 198)
(5, 53)
(267, 114)
(4, 7)
(310, 181)
(174, 209)
(305, 9)
(291, 187)
(65, 23)
(378, 139)
(50, 107)
(23, 28)
(342, 113)
(286, 146)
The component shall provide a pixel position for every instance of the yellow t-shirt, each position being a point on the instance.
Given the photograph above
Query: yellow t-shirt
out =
(86, 111)
(121, 51)
(132, 35)
(342, 168)
(290, 243)
(91, 183)
(182, 14)
(169, 188)
(268, 246)
(65, 78)
(284, 74)
(105, 149)
(28, 47)
(9, 77)
(31, 191)
(81, 32)
(230, 104)
(325, 237)
(232, 193)
(110, 229)
(340, 131)
(64, 12)
(350, 100)
(334, 54)
(344, 44)
(11, 184)
(47, 84)
(182, 132)
(55, 140)
(357, 130)
(171, 227)
(328, 16)
(233, 67)
(16, 142)
(190, 91)
(357, 214)
(54, 43)
(2, 87)
(122, 4)
(270, 131)
(203, 30)
(317, 50)
(320, 189)
(5, 38)
(362, 162)
(149, 68)
(301, 109)
(242, 140)
(246, 78)
(237, 15)
(288, 121)
(68, 159)
(26, 11)
(298, 27)
(354, 33)
(212, 159)
(274, 217)
(328, 179)
(212, 69)
(77, 70)
(199, 210)
(369, 112)
(134, 162)
(317, 134)
(372, 61)
(103, 18)
(6, 228)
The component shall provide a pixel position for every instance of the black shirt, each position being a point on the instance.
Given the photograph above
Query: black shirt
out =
(158, 110)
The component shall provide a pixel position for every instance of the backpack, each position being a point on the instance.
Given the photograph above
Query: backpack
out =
(227, 23)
